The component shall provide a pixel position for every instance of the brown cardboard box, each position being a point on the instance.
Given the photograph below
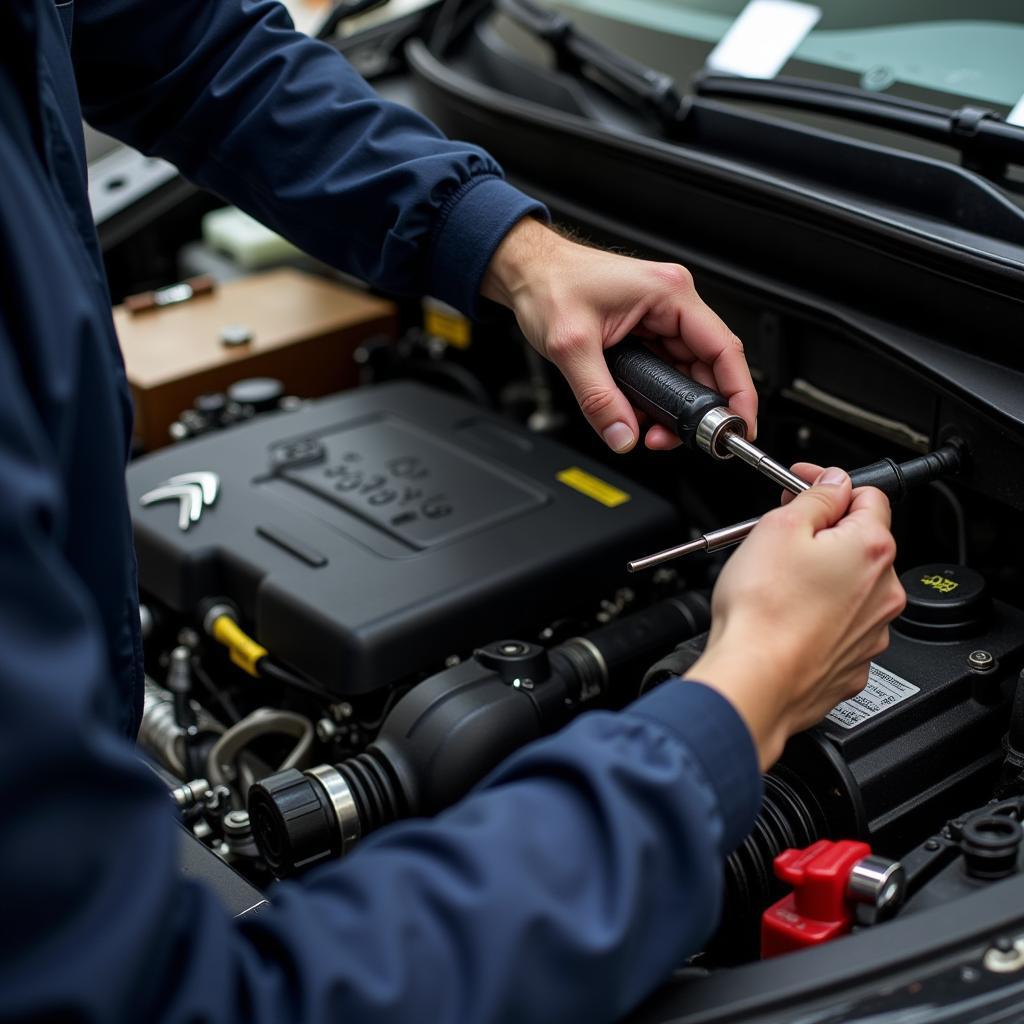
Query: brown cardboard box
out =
(305, 330)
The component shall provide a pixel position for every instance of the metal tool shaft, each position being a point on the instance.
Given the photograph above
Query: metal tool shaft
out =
(892, 479)
(713, 541)
(755, 458)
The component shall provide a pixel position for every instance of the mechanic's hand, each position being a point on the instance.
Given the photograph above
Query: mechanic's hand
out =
(801, 609)
(572, 302)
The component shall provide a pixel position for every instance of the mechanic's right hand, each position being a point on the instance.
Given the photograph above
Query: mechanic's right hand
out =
(801, 609)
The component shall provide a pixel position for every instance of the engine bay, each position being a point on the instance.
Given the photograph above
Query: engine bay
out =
(362, 592)
(388, 590)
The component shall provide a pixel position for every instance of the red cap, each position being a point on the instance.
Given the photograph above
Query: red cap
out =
(818, 909)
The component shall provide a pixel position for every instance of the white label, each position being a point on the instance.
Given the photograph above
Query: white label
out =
(1016, 116)
(763, 37)
(884, 690)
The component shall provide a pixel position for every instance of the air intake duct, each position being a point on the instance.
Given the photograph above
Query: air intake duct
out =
(450, 730)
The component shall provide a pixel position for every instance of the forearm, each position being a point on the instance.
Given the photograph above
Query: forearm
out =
(284, 127)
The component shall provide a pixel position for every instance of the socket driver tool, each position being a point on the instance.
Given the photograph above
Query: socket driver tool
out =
(893, 479)
(698, 416)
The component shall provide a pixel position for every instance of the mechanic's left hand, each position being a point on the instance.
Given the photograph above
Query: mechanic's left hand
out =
(572, 302)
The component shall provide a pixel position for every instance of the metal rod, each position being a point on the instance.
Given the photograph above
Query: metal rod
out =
(726, 537)
(754, 457)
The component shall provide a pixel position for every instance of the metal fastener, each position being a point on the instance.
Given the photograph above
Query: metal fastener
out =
(981, 661)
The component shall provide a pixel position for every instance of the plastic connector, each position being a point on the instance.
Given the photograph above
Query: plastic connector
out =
(819, 908)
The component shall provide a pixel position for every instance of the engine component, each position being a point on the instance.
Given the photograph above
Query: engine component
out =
(922, 741)
(369, 536)
(970, 852)
(163, 736)
(450, 730)
(831, 882)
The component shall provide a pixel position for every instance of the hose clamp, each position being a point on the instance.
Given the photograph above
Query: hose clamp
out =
(342, 802)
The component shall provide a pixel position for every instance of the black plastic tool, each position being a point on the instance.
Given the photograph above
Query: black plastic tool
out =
(666, 395)
(697, 415)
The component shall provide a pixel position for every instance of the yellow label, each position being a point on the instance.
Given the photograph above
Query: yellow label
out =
(449, 326)
(584, 482)
(940, 583)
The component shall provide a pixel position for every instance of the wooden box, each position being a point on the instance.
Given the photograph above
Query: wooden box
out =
(304, 331)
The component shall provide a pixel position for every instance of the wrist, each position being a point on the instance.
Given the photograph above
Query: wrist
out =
(522, 255)
(756, 694)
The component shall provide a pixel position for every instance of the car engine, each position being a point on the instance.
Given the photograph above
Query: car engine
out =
(371, 598)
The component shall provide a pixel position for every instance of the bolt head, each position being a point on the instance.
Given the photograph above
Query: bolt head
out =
(980, 661)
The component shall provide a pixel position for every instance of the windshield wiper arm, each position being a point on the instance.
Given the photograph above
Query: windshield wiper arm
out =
(984, 139)
(575, 52)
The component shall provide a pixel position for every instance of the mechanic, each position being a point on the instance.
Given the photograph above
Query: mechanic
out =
(569, 883)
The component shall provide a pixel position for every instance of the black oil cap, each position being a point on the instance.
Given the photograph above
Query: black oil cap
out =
(944, 602)
(293, 822)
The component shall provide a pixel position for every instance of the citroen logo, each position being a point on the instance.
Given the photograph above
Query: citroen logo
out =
(192, 491)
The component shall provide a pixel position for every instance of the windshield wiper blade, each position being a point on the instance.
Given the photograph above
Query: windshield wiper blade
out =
(575, 52)
(985, 140)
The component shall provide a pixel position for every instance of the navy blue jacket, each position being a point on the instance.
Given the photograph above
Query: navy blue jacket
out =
(569, 883)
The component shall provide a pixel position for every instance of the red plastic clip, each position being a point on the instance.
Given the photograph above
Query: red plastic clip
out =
(818, 909)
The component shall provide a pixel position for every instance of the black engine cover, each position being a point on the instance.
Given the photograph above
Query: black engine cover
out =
(368, 535)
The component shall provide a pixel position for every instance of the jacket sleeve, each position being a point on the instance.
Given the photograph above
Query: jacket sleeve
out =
(285, 128)
(562, 889)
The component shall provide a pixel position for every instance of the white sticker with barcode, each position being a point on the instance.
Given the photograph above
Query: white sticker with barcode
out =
(884, 690)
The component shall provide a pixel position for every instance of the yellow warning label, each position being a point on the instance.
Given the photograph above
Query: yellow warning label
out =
(448, 326)
(588, 484)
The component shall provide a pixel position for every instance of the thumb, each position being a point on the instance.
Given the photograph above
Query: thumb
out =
(824, 504)
(606, 408)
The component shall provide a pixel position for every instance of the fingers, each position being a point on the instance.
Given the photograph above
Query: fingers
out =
(825, 503)
(807, 471)
(870, 503)
(606, 408)
(685, 318)
(661, 439)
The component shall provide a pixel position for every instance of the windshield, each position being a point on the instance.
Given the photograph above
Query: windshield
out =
(972, 51)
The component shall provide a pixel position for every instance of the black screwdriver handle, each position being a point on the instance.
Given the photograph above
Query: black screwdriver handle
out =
(666, 395)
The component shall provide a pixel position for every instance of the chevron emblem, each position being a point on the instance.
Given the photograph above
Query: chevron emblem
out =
(193, 492)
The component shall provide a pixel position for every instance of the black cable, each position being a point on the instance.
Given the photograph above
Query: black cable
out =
(272, 670)
(227, 705)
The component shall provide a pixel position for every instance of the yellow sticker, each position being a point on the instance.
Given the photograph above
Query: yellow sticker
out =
(448, 326)
(588, 484)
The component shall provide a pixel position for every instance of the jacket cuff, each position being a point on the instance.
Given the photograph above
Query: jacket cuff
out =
(713, 731)
(471, 226)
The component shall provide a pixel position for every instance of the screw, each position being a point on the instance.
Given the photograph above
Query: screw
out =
(325, 730)
(932, 844)
(512, 648)
(1004, 944)
(981, 661)
(339, 712)
(236, 819)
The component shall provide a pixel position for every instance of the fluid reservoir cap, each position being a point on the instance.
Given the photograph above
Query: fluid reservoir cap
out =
(944, 602)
